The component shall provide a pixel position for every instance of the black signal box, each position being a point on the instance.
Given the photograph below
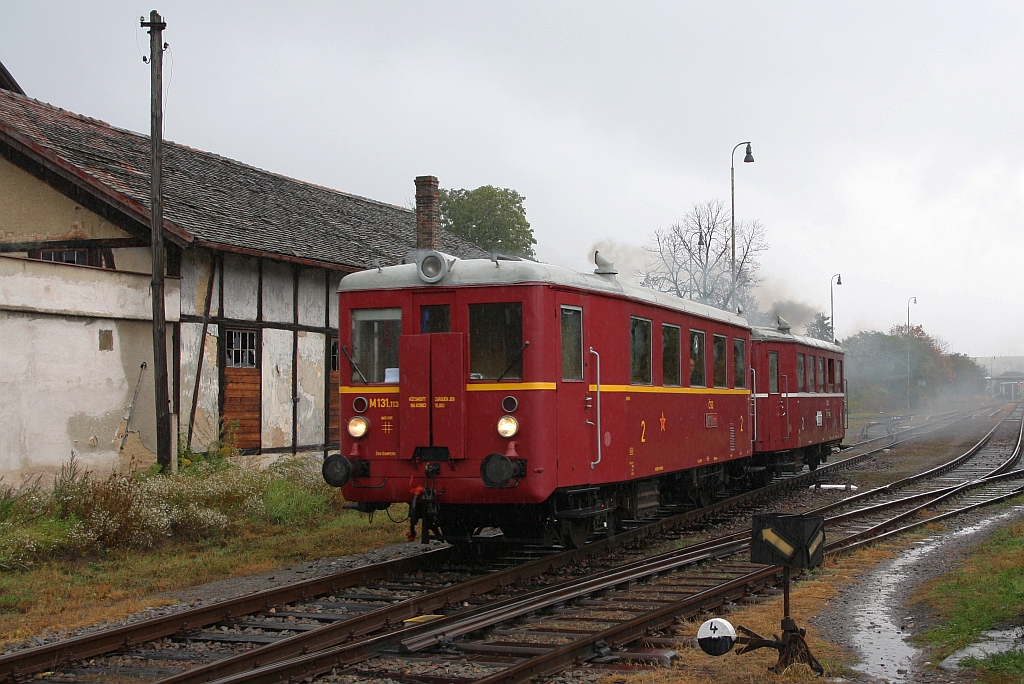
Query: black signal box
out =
(795, 541)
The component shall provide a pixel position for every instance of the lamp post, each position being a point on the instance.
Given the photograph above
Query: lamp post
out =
(748, 158)
(832, 301)
(914, 300)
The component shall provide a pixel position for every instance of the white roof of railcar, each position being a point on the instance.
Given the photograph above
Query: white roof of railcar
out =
(760, 333)
(469, 272)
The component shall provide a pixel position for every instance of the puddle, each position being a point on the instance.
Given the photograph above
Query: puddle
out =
(993, 641)
(878, 638)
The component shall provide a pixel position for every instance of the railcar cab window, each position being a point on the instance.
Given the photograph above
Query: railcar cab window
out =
(810, 373)
(831, 375)
(773, 372)
(375, 344)
(799, 372)
(670, 355)
(719, 355)
(821, 373)
(572, 343)
(698, 369)
(435, 318)
(496, 341)
(739, 363)
(639, 351)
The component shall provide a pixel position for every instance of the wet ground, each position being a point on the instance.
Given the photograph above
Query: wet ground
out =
(874, 619)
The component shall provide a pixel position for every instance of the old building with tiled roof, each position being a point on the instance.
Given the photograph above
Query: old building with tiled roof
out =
(254, 259)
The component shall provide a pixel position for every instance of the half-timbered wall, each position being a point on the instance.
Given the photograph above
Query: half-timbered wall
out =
(283, 405)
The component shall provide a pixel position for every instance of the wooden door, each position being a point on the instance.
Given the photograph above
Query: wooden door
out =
(241, 413)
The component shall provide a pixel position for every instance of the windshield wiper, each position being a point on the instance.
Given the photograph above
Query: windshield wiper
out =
(514, 361)
(355, 365)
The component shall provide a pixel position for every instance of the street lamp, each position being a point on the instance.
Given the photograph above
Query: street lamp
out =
(914, 300)
(748, 158)
(832, 300)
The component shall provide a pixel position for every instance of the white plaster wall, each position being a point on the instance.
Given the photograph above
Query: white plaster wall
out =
(50, 287)
(195, 277)
(311, 376)
(332, 304)
(312, 304)
(241, 283)
(278, 292)
(277, 388)
(206, 425)
(59, 392)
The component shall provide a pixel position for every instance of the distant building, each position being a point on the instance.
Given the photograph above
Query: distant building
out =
(253, 263)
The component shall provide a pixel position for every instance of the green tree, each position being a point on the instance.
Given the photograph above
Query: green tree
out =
(492, 218)
(820, 328)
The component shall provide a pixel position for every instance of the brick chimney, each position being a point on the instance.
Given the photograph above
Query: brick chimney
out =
(427, 213)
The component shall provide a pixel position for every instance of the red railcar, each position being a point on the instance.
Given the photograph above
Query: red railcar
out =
(800, 398)
(535, 398)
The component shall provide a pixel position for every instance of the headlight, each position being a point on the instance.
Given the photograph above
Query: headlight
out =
(358, 426)
(508, 426)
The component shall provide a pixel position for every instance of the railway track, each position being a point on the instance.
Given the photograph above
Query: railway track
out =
(358, 611)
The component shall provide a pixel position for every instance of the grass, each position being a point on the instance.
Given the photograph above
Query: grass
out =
(91, 549)
(985, 592)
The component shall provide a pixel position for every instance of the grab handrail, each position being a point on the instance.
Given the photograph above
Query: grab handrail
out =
(598, 385)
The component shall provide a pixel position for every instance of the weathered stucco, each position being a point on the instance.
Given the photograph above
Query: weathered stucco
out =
(59, 392)
(311, 378)
(277, 388)
(332, 303)
(195, 278)
(312, 309)
(241, 287)
(278, 292)
(206, 426)
(51, 287)
(31, 210)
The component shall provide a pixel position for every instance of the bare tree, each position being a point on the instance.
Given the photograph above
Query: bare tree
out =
(692, 258)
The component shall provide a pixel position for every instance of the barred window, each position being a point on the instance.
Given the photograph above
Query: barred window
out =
(241, 349)
(335, 355)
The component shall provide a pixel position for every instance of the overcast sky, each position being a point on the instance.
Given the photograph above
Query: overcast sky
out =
(887, 136)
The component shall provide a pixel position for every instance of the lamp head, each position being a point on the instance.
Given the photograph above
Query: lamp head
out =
(749, 156)
(839, 281)
(915, 299)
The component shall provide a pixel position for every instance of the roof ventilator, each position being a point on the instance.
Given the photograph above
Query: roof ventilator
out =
(783, 325)
(605, 267)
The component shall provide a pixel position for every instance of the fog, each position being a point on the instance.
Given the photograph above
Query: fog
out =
(885, 134)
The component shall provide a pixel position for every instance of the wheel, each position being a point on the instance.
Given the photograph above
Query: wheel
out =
(702, 497)
(572, 534)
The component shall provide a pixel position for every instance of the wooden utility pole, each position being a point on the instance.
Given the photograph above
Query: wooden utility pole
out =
(156, 27)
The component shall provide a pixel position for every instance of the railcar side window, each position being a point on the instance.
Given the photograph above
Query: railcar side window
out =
(670, 355)
(698, 369)
(810, 373)
(739, 362)
(496, 341)
(375, 344)
(821, 373)
(435, 318)
(572, 343)
(639, 351)
(839, 376)
(719, 355)
(773, 372)
(831, 375)
(799, 372)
